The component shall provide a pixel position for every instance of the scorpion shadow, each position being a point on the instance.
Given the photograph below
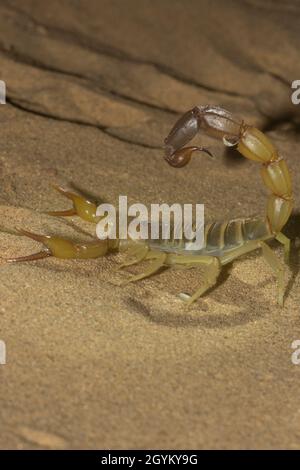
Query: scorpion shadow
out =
(199, 314)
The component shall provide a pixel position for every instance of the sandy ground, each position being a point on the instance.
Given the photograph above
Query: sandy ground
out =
(92, 89)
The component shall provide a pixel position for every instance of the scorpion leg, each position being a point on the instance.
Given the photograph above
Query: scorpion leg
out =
(211, 273)
(269, 257)
(159, 258)
(35, 256)
(137, 253)
(286, 242)
(275, 264)
(61, 248)
(81, 207)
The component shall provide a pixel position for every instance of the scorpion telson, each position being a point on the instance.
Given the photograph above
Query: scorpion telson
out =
(215, 121)
(224, 241)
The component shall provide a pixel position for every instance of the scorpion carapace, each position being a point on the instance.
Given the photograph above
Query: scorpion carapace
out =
(223, 241)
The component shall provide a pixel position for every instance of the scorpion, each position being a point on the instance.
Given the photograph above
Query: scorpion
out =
(223, 241)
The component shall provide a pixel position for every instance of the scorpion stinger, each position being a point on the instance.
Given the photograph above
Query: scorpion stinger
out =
(214, 120)
(182, 132)
(182, 156)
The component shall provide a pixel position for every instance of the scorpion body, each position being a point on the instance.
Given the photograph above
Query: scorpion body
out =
(220, 238)
(224, 241)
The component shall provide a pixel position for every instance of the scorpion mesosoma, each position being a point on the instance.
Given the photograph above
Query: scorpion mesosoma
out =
(224, 241)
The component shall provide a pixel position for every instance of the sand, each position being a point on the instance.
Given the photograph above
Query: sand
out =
(92, 89)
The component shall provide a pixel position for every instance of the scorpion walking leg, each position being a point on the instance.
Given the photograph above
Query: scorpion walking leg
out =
(269, 257)
(210, 278)
(275, 264)
(159, 258)
(211, 273)
(137, 253)
(286, 242)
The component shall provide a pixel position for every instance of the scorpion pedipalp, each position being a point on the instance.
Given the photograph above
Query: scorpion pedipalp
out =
(81, 206)
(35, 256)
(62, 248)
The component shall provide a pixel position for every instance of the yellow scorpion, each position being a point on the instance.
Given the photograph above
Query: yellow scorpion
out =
(224, 241)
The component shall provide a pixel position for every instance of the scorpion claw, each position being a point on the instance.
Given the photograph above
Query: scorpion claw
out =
(39, 255)
(62, 248)
(34, 236)
(65, 213)
(81, 206)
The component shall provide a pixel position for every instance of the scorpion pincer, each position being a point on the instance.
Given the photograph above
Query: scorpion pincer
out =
(224, 241)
